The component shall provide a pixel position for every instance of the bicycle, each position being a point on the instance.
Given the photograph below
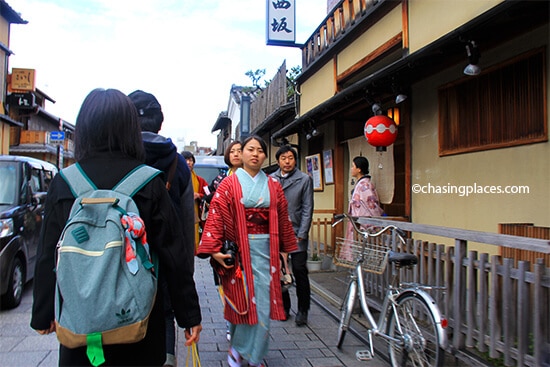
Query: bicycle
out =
(409, 319)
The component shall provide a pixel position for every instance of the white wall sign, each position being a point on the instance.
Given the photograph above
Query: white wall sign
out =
(281, 22)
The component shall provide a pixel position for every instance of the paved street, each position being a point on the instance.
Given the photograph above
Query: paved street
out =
(313, 345)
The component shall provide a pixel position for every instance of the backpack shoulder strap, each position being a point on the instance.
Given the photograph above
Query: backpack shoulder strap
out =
(136, 179)
(78, 181)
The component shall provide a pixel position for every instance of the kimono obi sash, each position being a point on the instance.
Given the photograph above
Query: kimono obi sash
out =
(257, 220)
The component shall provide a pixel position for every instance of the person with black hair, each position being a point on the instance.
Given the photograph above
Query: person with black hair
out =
(298, 189)
(108, 146)
(232, 156)
(161, 153)
(364, 201)
(250, 210)
(199, 184)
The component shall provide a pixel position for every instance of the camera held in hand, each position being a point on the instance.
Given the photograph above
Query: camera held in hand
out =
(230, 248)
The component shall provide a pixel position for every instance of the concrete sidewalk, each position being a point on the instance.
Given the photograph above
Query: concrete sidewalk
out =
(313, 345)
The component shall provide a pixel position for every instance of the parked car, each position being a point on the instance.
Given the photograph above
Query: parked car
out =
(24, 184)
(209, 166)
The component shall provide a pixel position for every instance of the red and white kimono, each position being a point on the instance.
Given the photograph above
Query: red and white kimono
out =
(227, 220)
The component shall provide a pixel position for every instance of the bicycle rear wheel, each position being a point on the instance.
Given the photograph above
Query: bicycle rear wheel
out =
(345, 311)
(414, 324)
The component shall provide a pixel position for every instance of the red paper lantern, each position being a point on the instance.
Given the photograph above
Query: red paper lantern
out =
(380, 132)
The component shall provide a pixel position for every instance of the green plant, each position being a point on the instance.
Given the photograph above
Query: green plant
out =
(315, 257)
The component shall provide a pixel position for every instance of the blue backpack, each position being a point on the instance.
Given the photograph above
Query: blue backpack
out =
(106, 282)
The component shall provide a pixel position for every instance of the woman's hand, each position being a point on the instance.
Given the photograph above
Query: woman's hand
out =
(220, 257)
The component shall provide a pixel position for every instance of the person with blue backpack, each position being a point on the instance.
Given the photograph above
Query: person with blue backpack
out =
(110, 155)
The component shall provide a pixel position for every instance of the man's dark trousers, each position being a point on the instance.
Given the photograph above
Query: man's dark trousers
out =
(298, 261)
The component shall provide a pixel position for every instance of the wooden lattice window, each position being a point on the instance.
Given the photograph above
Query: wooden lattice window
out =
(502, 107)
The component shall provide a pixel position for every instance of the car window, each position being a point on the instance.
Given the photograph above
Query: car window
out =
(35, 181)
(48, 177)
(8, 184)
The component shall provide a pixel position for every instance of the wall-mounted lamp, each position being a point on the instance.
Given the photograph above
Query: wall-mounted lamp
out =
(473, 58)
(398, 91)
(311, 131)
(400, 98)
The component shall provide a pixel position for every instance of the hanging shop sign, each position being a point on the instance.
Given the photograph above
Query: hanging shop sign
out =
(22, 79)
(21, 100)
(281, 22)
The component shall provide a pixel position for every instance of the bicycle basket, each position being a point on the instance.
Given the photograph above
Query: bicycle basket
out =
(348, 251)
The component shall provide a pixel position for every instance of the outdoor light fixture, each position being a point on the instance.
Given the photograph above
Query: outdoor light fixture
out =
(398, 91)
(473, 57)
(311, 131)
(400, 98)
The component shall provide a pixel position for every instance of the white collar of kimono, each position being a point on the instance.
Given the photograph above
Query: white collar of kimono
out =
(254, 178)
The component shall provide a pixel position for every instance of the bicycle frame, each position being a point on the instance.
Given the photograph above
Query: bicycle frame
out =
(377, 328)
(391, 297)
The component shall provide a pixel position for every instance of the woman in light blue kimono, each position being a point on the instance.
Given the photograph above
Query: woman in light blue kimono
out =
(250, 209)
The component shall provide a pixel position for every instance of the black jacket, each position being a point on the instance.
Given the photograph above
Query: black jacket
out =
(161, 153)
(164, 237)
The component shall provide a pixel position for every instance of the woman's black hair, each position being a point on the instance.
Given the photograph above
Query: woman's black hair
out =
(257, 138)
(108, 121)
(362, 163)
(188, 155)
(227, 153)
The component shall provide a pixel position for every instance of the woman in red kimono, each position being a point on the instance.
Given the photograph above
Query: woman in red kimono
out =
(250, 209)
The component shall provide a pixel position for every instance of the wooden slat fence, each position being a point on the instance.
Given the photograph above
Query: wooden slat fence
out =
(524, 230)
(497, 307)
(270, 99)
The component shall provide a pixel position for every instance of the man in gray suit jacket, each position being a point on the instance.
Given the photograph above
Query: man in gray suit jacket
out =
(298, 189)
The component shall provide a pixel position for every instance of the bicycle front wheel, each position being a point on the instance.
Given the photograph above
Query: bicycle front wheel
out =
(414, 324)
(345, 311)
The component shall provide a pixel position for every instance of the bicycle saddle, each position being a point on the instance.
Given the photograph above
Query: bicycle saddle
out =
(402, 258)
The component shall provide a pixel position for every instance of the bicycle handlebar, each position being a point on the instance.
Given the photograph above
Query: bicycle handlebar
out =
(340, 217)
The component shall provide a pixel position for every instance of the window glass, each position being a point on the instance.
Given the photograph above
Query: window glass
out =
(8, 184)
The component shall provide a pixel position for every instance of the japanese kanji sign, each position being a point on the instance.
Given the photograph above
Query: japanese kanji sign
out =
(281, 22)
(22, 79)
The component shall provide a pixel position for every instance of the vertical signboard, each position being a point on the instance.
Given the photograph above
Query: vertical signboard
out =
(281, 22)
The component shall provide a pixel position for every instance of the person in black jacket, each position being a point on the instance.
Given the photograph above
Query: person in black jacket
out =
(161, 153)
(108, 146)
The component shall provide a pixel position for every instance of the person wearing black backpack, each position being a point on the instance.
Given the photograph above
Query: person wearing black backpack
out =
(162, 154)
(108, 145)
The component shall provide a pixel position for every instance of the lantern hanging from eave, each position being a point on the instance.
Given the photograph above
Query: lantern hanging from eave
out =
(380, 132)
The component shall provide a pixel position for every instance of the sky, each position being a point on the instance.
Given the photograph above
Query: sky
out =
(187, 53)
